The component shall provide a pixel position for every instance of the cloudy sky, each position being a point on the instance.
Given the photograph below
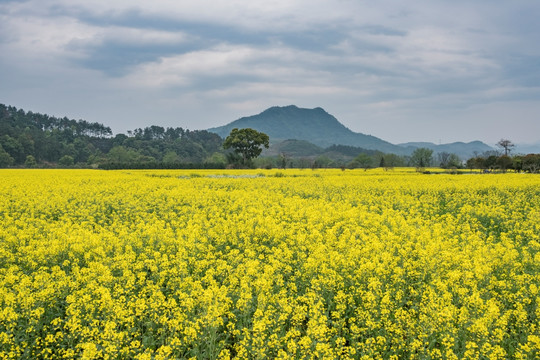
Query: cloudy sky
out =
(425, 70)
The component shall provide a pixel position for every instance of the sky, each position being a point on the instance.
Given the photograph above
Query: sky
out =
(425, 70)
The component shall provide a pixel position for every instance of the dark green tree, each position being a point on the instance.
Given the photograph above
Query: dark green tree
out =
(247, 143)
(531, 163)
(5, 158)
(421, 158)
(66, 160)
(30, 161)
(363, 161)
(504, 162)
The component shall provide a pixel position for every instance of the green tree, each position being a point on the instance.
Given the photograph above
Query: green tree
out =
(247, 143)
(121, 154)
(389, 161)
(491, 161)
(216, 158)
(454, 161)
(5, 158)
(363, 161)
(322, 161)
(531, 163)
(504, 162)
(66, 160)
(421, 158)
(171, 157)
(13, 148)
(30, 161)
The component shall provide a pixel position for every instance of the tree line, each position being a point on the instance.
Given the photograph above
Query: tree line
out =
(29, 139)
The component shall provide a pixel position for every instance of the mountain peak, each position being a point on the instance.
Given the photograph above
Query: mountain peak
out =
(324, 130)
(314, 125)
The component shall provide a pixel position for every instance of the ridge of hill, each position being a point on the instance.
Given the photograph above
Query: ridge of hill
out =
(461, 149)
(313, 125)
(320, 128)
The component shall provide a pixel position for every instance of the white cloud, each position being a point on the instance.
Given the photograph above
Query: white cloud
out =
(390, 61)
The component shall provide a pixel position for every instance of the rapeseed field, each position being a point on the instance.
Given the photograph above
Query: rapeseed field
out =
(268, 264)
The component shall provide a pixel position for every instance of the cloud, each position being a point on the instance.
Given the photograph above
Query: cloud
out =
(390, 61)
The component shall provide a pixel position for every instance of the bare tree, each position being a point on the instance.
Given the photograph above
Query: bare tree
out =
(506, 144)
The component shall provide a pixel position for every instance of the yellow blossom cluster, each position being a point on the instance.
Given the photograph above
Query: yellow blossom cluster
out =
(284, 264)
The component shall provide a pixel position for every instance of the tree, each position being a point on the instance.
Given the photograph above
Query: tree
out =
(504, 162)
(363, 161)
(506, 144)
(66, 160)
(389, 161)
(531, 163)
(246, 143)
(447, 160)
(477, 162)
(171, 157)
(421, 158)
(454, 161)
(216, 158)
(121, 154)
(322, 161)
(491, 161)
(30, 161)
(5, 159)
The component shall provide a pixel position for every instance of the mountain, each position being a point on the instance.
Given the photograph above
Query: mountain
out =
(292, 147)
(313, 125)
(461, 149)
(526, 149)
(304, 149)
(323, 130)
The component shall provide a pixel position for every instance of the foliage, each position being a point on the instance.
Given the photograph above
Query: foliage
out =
(528, 163)
(531, 163)
(247, 143)
(5, 158)
(266, 264)
(421, 158)
(49, 139)
(66, 160)
(390, 161)
(350, 150)
(447, 160)
(363, 161)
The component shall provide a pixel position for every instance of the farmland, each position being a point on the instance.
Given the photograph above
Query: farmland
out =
(268, 264)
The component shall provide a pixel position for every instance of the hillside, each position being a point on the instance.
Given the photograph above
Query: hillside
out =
(461, 149)
(313, 125)
(292, 147)
(318, 127)
(304, 149)
(39, 140)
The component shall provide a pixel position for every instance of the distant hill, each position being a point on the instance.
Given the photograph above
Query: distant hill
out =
(304, 149)
(293, 147)
(526, 149)
(461, 149)
(319, 128)
(313, 125)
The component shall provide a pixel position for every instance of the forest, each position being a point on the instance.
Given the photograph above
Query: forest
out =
(36, 140)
